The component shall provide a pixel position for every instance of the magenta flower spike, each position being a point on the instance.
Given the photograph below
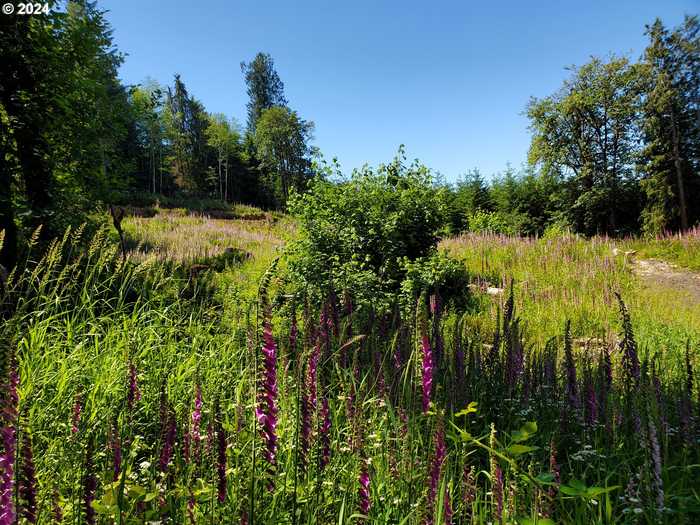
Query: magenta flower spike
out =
(220, 457)
(8, 435)
(363, 491)
(435, 473)
(115, 445)
(166, 453)
(447, 508)
(77, 411)
(89, 484)
(498, 494)
(325, 432)
(266, 411)
(195, 435)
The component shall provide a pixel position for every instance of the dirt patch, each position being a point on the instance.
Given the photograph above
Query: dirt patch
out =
(659, 273)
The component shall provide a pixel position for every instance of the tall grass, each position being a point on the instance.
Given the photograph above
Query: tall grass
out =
(513, 430)
(571, 278)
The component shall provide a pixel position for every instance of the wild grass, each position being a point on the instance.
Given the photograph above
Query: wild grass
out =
(111, 355)
(572, 278)
(682, 249)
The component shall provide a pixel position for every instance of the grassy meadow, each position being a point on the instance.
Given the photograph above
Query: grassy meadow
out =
(184, 384)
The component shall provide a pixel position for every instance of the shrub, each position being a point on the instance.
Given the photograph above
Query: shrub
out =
(437, 273)
(494, 222)
(357, 234)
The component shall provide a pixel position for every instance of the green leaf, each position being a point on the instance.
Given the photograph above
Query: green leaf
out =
(525, 432)
(471, 408)
(517, 450)
(545, 477)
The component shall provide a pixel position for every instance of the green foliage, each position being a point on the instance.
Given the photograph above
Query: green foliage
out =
(264, 86)
(357, 234)
(494, 222)
(588, 131)
(437, 273)
(281, 139)
(670, 159)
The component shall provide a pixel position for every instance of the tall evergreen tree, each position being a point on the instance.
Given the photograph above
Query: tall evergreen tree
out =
(264, 86)
(671, 125)
(186, 123)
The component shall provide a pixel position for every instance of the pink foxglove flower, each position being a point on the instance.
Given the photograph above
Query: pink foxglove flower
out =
(266, 411)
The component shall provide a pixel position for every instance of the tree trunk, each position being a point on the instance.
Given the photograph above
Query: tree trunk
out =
(226, 181)
(679, 172)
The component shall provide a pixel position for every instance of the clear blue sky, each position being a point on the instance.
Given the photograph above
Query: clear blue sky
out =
(449, 80)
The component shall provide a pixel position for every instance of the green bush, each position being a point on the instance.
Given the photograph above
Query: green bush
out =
(495, 222)
(357, 234)
(437, 273)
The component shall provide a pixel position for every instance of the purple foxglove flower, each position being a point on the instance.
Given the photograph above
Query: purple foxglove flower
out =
(447, 508)
(190, 508)
(166, 453)
(628, 346)
(435, 473)
(363, 491)
(89, 484)
(115, 445)
(325, 433)
(8, 436)
(498, 494)
(220, 456)
(305, 434)
(657, 481)
(77, 411)
(266, 411)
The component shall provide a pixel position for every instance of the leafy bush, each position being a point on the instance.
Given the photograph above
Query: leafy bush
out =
(357, 234)
(437, 273)
(494, 222)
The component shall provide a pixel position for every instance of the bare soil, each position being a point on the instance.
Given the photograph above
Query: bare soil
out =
(657, 273)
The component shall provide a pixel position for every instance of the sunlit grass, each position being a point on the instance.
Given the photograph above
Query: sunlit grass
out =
(574, 278)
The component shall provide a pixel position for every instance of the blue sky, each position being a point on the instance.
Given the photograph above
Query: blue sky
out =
(450, 80)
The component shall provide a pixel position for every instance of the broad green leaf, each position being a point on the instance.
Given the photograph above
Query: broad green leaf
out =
(517, 450)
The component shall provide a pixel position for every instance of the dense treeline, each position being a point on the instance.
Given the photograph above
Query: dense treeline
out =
(616, 150)
(72, 134)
